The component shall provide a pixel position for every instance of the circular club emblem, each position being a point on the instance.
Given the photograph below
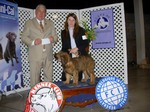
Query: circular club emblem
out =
(111, 93)
(45, 97)
(102, 23)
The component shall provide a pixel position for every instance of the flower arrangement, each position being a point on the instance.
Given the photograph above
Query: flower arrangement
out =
(89, 32)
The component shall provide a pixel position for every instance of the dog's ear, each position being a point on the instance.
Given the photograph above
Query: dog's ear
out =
(65, 58)
(8, 35)
(63, 61)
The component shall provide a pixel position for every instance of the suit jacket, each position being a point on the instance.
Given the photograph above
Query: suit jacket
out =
(80, 41)
(32, 30)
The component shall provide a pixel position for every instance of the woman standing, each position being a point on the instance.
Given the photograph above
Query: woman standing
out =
(73, 39)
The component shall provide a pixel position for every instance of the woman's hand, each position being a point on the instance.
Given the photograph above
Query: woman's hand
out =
(73, 51)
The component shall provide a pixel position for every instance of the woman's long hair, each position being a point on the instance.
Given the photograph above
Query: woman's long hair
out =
(76, 26)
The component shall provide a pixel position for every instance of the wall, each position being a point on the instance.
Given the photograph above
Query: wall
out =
(131, 37)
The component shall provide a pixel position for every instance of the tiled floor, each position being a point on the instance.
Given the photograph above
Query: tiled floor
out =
(138, 101)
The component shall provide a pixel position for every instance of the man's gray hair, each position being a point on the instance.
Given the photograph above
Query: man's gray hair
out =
(41, 6)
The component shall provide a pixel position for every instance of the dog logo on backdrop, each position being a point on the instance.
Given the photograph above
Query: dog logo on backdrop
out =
(44, 97)
(72, 66)
(111, 93)
(13, 80)
(1, 50)
(102, 23)
(10, 51)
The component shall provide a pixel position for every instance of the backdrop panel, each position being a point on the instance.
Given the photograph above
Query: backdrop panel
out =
(24, 15)
(109, 61)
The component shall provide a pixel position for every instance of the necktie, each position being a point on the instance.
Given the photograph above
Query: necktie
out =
(41, 25)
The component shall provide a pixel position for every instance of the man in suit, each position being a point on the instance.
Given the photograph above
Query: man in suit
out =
(39, 35)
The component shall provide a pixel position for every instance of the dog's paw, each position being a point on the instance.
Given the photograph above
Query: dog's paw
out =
(92, 83)
(65, 82)
(75, 84)
(83, 80)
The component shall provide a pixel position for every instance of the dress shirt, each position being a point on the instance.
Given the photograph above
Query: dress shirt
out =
(73, 44)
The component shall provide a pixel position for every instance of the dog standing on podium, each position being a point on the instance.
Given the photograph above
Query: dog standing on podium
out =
(72, 66)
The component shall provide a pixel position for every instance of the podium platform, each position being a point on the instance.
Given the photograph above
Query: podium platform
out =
(81, 95)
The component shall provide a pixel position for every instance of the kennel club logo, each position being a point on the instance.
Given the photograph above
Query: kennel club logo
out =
(111, 93)
(45, 97)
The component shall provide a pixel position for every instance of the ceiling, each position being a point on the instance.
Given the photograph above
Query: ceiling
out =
(78, 4)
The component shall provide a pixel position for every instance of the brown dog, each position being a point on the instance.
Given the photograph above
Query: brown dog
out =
(72, 66)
